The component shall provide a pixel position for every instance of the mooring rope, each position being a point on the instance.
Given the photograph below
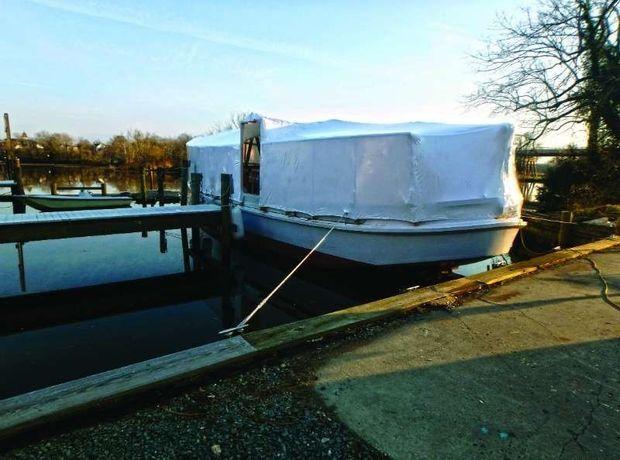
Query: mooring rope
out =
(262, 303)
(555, 221)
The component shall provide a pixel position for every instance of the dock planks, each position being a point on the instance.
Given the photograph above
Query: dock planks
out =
(15, 228)
(41, 406)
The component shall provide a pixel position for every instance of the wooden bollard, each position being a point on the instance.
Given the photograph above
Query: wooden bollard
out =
(143, 187)
(184, 238)
(184, 178)
(161, 174)
(163, 244)
(19, 205)
(226, 225)
(195, 186)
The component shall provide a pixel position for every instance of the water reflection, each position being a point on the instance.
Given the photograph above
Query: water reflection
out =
(38, 179)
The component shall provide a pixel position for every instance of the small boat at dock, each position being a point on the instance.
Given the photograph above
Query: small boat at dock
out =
(389, 194)
(83, 201)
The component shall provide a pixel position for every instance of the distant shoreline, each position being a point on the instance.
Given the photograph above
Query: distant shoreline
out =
(88, 165)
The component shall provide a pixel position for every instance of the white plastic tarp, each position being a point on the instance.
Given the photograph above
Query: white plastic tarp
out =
(211, 156)
(411, 172)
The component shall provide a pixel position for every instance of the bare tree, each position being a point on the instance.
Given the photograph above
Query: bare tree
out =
(558, 66)
(233, 122)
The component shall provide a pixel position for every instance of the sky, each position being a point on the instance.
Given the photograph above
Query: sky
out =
(97, 68)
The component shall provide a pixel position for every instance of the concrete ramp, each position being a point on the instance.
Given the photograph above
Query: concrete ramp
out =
(530, 369)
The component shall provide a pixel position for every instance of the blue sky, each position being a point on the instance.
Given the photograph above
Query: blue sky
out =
(94, 69)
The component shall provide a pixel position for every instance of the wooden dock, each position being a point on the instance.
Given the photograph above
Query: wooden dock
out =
(20, 228)
(22, 412)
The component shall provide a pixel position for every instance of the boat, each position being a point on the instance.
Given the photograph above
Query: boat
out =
(391, 194)
(83, 201)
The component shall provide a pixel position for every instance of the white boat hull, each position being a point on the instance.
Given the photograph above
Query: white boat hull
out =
(383, 244)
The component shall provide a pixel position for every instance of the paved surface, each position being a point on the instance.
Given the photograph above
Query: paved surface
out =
(531, 369)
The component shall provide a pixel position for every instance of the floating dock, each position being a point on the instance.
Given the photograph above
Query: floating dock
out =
(21, 228)
(39, 407)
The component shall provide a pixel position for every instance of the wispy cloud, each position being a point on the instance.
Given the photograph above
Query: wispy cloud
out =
(26, 84)
(125, 15)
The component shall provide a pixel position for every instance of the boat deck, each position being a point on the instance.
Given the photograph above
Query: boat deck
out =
(16, 228)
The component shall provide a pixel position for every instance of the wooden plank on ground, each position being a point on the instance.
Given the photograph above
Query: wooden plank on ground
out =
(307, 329)
(40, 406)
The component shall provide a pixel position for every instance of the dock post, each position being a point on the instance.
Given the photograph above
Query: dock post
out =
(104, 188)
(163, 244)
(54, 188)
(566, 217)
(184, 239)
(143, 195)
(19, 206)
(21, 266)
(226, 227)
(195, 186)
(184, 178)
(161, 174)
(143, 187)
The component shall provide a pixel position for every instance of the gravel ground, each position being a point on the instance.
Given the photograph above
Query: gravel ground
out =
(268, 411)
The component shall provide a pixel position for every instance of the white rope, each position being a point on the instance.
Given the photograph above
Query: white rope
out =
(245, 321)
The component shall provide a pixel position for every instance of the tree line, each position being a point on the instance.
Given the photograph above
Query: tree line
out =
(134, 149)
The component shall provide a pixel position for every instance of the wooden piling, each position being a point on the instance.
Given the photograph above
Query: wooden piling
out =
(143, 187)
(104, 188)
(184, 239)
(54, 188)
(21, 266)
(226, 226)
(184, 178)
(161, 174)
(19, 205)
(195, 186)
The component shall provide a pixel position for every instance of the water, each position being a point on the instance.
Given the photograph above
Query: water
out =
(97, 303)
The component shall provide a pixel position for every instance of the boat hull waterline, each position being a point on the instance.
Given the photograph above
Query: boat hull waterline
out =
(384, 245)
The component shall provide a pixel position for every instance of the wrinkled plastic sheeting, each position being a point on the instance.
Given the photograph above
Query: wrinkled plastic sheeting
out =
(414, 172)
(211, 162)
(462, 174)
(365, 176)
